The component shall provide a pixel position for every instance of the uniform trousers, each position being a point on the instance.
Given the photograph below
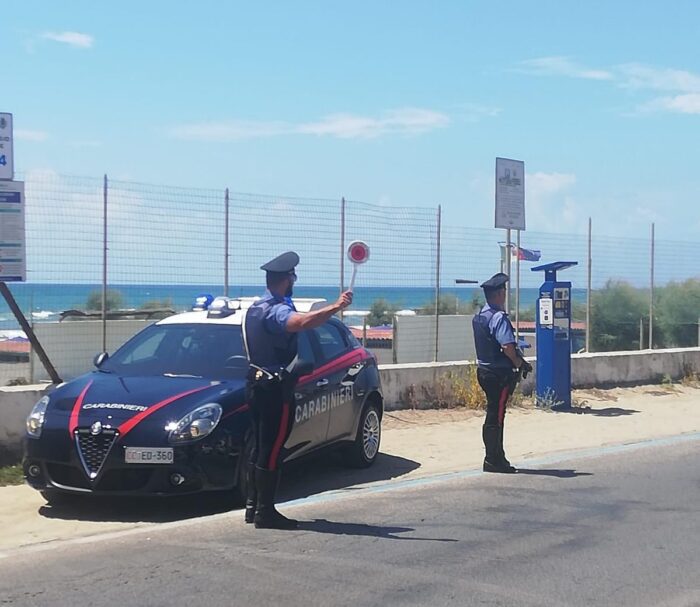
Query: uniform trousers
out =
(271, 421)
(498, 385)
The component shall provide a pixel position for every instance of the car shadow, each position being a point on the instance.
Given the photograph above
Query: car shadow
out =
(299, 480)
(319, 475)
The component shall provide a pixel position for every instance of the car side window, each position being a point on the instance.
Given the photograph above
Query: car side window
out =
(305, 350)
(330, 340)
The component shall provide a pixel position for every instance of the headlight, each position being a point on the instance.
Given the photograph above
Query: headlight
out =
(35, 421)
(197, 424)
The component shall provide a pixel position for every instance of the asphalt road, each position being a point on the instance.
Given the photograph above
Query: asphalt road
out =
(622, 528)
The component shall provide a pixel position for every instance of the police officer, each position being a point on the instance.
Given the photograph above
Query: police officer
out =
(500, 364)
(271, 325)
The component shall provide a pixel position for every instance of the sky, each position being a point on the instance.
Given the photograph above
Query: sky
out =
(393, 103)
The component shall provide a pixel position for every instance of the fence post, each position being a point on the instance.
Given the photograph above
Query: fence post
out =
(104, 263)
(226, 243)
(651, 293)
(588, 288)
(641, 333)
(437, 283)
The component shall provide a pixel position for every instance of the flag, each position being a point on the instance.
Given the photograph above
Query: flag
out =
(528, 254)
(520, 253)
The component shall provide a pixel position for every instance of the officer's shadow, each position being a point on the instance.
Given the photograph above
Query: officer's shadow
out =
(320, 525)
(564, 473)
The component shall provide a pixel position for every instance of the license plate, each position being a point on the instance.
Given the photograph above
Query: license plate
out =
(148, 455)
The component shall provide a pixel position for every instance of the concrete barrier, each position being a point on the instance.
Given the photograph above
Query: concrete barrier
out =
(415, 385)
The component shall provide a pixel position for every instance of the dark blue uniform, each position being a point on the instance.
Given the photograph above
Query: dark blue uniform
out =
(495, 373)
(272, 349)
(492, 331)
(270, 390)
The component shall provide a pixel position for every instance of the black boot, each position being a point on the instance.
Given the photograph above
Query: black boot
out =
(493, 461)
(251, 500)
(266, 516)
(502, 453)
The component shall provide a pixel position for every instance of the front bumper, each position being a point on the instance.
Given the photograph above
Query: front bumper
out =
(194, 469)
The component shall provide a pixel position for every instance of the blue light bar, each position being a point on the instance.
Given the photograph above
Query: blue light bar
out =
(202, 302)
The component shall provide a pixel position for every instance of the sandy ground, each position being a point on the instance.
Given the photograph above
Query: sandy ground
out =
(417, 443)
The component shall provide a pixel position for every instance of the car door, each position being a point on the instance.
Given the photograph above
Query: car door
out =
(336, 359)
(309, 420)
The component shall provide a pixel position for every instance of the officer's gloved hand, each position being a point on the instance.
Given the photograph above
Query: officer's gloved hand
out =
(525, 368)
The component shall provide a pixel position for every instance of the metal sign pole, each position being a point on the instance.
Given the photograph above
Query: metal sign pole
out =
(508, 270)
(517, 287)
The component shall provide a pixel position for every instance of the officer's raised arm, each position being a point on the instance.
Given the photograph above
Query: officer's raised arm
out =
(310, 320)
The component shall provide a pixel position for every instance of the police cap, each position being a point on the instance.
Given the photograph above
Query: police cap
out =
(282, 264)
(497, 281)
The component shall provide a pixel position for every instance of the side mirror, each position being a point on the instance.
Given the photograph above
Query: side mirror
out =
(100, 359)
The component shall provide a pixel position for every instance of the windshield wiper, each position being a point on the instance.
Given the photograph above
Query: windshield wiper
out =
(181, 375)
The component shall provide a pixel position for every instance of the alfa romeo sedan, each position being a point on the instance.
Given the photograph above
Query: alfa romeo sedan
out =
(166, 413)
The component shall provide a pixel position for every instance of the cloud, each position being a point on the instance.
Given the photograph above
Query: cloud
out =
(562, 66)
(402, 121)
(74, 39)
(683, 104)
(28, 135)
(633, 76)
(545, 184)
(548, 204)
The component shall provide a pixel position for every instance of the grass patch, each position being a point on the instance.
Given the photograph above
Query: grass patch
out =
(11, 475)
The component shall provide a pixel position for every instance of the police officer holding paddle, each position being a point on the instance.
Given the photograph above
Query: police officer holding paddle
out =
(500, 366)
(270, 329)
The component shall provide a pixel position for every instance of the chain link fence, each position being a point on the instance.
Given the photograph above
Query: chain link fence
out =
(165, 245)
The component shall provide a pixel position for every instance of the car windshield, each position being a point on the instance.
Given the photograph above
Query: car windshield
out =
(213, 351)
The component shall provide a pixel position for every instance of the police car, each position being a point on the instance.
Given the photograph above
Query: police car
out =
(166, 413)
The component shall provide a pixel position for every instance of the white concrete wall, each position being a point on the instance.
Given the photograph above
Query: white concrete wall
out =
(71, 345)
(415, 339)
(16, 403)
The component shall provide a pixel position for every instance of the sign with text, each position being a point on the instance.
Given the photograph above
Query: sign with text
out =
(510, 194)
(7, 170)
(13, 267)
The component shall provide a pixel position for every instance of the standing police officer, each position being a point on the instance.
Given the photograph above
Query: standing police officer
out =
(271, 325)
(500, 364)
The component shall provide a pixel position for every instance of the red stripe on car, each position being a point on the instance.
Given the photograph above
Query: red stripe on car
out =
(128, 425)
(354, 356)
(240, 409)
(75, 413)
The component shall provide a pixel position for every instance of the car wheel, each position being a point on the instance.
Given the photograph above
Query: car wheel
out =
(365, 448)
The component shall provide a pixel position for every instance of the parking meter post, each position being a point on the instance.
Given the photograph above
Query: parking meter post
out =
(553, 329)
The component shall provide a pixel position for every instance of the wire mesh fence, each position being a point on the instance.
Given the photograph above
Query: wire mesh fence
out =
(164, 245)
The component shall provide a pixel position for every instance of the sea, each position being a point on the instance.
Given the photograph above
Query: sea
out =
(44, 302)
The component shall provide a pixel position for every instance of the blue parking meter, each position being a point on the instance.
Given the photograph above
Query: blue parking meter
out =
(554, 336)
